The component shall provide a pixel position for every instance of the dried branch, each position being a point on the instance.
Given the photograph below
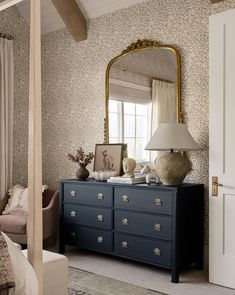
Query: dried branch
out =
(81, 158)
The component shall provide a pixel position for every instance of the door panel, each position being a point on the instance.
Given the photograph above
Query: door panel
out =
(222, 148)
(229, 224)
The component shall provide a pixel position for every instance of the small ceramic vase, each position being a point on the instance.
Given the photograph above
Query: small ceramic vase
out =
(82, 173)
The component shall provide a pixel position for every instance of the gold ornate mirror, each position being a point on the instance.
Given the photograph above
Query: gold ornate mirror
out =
(142, 91)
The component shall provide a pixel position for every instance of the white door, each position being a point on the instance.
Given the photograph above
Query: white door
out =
(222, 148)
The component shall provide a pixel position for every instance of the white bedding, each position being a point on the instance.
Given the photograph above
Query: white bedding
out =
(25, 278)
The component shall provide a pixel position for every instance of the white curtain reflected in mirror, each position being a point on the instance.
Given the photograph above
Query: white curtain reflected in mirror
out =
(164, 107)
(164, 104)
(130, 123)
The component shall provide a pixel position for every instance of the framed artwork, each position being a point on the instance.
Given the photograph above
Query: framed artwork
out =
(109, 157)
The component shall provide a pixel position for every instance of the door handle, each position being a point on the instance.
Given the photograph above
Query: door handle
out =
(215, 185)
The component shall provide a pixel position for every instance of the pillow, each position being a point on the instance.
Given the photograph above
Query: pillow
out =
(11, 192)
(18, 201)
(25, 279)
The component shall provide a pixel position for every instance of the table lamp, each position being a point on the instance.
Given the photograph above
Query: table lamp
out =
(172, 167)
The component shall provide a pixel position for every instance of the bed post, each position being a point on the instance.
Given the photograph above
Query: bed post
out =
(35, 140)
(35, 146)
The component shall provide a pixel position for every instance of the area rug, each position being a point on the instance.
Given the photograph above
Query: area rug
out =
(86, 283)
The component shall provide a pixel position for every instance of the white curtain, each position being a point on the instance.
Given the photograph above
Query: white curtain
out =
(164, 106)
(6, 114)
(164, 103)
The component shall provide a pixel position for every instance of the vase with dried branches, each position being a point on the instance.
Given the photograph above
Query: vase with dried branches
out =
(82, 160)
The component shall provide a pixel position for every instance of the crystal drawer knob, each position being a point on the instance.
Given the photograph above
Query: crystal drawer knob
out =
(158, 202)
(125, 221)
(125, 245)
(125, 199)
(100, 240)
(157, 252)
(100, 196)
(157, 227)
(72, 194)
(73, 214)
(73, 234)
(100, 218)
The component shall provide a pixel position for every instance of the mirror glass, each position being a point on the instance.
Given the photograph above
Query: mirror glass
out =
(142, 92)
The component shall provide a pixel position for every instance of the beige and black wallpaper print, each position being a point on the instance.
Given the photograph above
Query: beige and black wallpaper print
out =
(73, 85)
(74, 78)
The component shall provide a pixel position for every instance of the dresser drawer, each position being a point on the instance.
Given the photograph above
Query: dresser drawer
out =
(94, 239)
(155, 201)
(143, 249)
(88, 195)
(156, 226)
(99, 217)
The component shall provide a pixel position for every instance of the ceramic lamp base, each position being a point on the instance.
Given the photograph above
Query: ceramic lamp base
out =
(172, 168)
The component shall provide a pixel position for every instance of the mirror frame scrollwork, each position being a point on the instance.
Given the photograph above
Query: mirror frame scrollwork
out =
(141, 45)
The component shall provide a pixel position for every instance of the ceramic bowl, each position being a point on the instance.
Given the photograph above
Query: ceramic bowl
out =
(103, 175)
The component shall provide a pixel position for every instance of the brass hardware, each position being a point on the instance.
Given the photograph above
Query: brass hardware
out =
(158, 202)
(125, 221)
(215, 185)
(73, 234)
(157, 252)
(125, 244)
(100, 217)
(142, 45)
(100, 196)
(157, 227)
(125, 198)
(100, 240)
(72, 194)
(73, 214)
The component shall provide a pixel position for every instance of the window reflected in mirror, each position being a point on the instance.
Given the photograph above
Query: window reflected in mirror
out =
(130, 123)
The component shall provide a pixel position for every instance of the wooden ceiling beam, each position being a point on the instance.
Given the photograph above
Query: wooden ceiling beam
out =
(73, 18)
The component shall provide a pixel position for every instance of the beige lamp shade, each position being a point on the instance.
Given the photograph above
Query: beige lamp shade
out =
(172, 136)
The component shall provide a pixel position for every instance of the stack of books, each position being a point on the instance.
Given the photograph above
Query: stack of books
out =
(128, 180)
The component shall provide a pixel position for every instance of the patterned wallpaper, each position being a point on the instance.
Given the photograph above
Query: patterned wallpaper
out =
(74, 78)
(11, 22)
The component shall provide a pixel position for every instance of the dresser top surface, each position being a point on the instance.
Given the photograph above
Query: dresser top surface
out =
(91, 181)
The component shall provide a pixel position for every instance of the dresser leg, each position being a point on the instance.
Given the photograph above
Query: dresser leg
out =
(61, 247)
(199, 264)
(175, 275)
(199, 258)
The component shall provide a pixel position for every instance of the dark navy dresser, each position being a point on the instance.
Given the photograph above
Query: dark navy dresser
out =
(155, 224)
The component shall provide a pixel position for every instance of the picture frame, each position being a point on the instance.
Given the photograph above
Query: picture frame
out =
(109, 157)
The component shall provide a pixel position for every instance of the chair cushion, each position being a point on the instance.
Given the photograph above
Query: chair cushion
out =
(13, 223)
